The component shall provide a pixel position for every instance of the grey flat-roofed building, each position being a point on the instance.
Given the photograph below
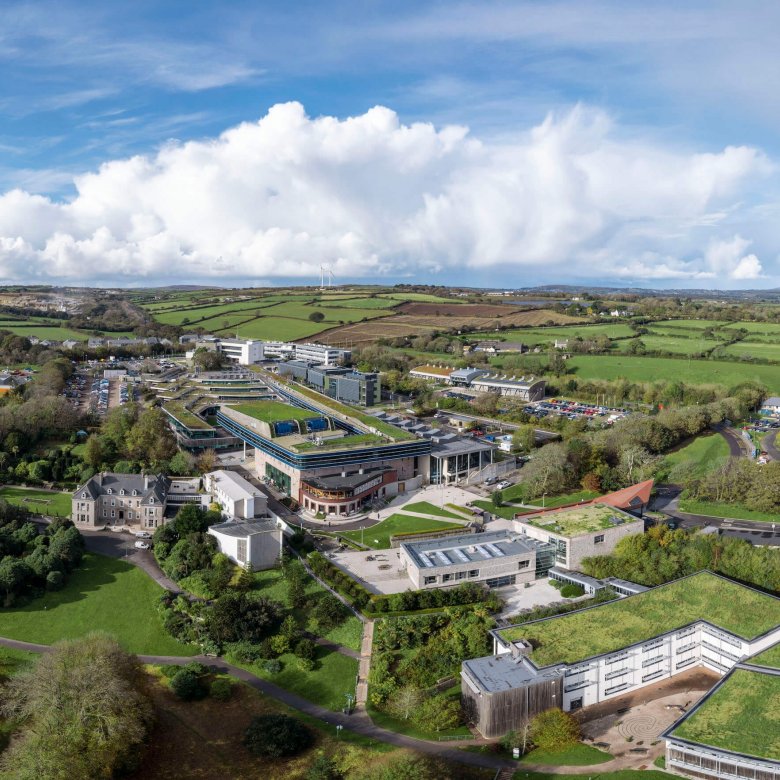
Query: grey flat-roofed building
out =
(457, 457)
(465, 376)
(498, 559)
(588, 584)
(255, 545)
(527, 389)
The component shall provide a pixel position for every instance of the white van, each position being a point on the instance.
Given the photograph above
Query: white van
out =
(142, 535)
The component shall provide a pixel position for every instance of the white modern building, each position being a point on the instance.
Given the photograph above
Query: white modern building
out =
(244, 352)
(322, 354)
(238, 497)
(254, 545)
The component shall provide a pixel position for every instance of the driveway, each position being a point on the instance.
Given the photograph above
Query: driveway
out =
(769, 444)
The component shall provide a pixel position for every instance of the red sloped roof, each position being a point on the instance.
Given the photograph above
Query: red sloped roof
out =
(628, 498)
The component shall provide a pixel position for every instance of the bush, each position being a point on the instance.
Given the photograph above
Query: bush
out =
(554, 730)
(275, 736)
(188, 686)
(572, 591)
(280, 644)
(273, 666)
(54, 580)
(306, 648)
(305, 664)
(221, 689)
(557, 584)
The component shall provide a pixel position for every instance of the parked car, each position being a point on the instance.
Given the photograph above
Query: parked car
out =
(503, 484)
(139, 545)
(143, 535)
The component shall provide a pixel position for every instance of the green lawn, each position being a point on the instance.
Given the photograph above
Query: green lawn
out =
(754, 349)
(426, 508)
(704, 451)
(603, 629)
(740, 716)
(726, 510)
(507, 512)
(271, 328)
(334, 676)
(38, 501)
(534, 336)
(770, 657)
(577, 755)
(687, 343)
(179, 411)
(378, 536)
(274, 411)
(562, 500)
(642, 369)
(103, 594)
(12, 661)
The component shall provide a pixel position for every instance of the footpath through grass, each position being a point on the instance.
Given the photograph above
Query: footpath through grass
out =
(378, 536)
(426, 508)
(43, 502)
(103, 594)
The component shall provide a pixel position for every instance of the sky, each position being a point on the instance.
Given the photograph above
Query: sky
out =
(494, 144)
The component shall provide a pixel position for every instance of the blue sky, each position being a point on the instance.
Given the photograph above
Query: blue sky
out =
(560, 100)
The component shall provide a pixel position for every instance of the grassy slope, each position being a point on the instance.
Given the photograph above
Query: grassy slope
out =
(704, 451)
(426, 508)
(378, 537)
(726, 510)
(694, 371)
(740, 716)
(103, 594)
(609, 627)
(577, 755)
(58, 503)
(623, 774)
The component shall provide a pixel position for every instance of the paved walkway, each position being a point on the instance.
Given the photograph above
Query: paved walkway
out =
(364, 665)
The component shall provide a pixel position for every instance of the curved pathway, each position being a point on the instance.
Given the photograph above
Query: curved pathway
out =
(770, 444)
(733, 439)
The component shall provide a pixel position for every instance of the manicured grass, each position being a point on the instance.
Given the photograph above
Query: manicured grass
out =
(621, 774)
(103, 594)
(736, 511)
(341, 442)
(562, 500)
(507, 511)
(576, 755)
(12, 661)
(426, 508)
(274, 411)
(609, 627)
(334, 676)
(185, 416)
(42, 502)
(704, 451)
(740, 716)
(642, 369)
(378, 536)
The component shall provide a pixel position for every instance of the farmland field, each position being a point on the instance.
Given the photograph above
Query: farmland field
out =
(194, 315)
(535, 336)
(768, 328)
(754, 349)
(49, 332)
(272, 329)
(694, 371)
(688, 324)
(682, 346)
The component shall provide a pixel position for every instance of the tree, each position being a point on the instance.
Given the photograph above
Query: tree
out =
(208, 359)
(234, 617)
(323, 768)
(181, 463)
(316, 316)
(81, 710)
(275, 736)
(438, 713)
(497, 498)
(328, 612)
(554, 730)
(207, 461)
(405, 701)
(524, 438)
(94, 453)
(187, 685)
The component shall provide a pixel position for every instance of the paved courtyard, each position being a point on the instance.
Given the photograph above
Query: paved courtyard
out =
(378, 570)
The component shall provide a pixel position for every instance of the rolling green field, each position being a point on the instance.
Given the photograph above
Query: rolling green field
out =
(271, 329)
(195, 315)
(641, 369)
(49, 332)
(764, 350)
(606, 628)
(621, 774)
(378, 536)
(102, 594)
(669, 343)
(736, 511)
(689, 324)
(533, 336)
(426, 508)
(765, 328)
(38, 501)
(740, 716)
(704, 452)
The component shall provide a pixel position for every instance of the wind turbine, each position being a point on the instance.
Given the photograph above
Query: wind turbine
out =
(330, 278)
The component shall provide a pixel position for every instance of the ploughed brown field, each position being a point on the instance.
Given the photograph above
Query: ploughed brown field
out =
(457, 309)
(450, 317)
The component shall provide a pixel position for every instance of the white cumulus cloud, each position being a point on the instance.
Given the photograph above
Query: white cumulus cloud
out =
(371, 196)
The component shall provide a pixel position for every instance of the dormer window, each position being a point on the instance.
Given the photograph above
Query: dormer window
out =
(151, 500)
(83, 495)
(122, 492)
(109, 491)
(135, 492)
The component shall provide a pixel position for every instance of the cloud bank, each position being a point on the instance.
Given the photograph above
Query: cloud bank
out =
(370, 197)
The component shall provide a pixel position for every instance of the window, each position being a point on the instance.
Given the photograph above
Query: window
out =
(446, 578)
(135, 492)
(241, 550)
(105, 513)
(429, 580)
(108, 491)
(122, 492)
(460, 575)
(129, 515)
(523, 564)
(83, 495)
(113, 513)
(113, 503)
(598, 539)
(473, 573)
(151, 500)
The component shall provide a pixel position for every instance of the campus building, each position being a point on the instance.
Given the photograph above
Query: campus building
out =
(605, 651)
(237, 497)
(579, 532)
(497, 559)
(529, 389)
(254, 545)
(732, 732)
(342, 384)
(244, 352)
(121, 499)
(298, 443)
